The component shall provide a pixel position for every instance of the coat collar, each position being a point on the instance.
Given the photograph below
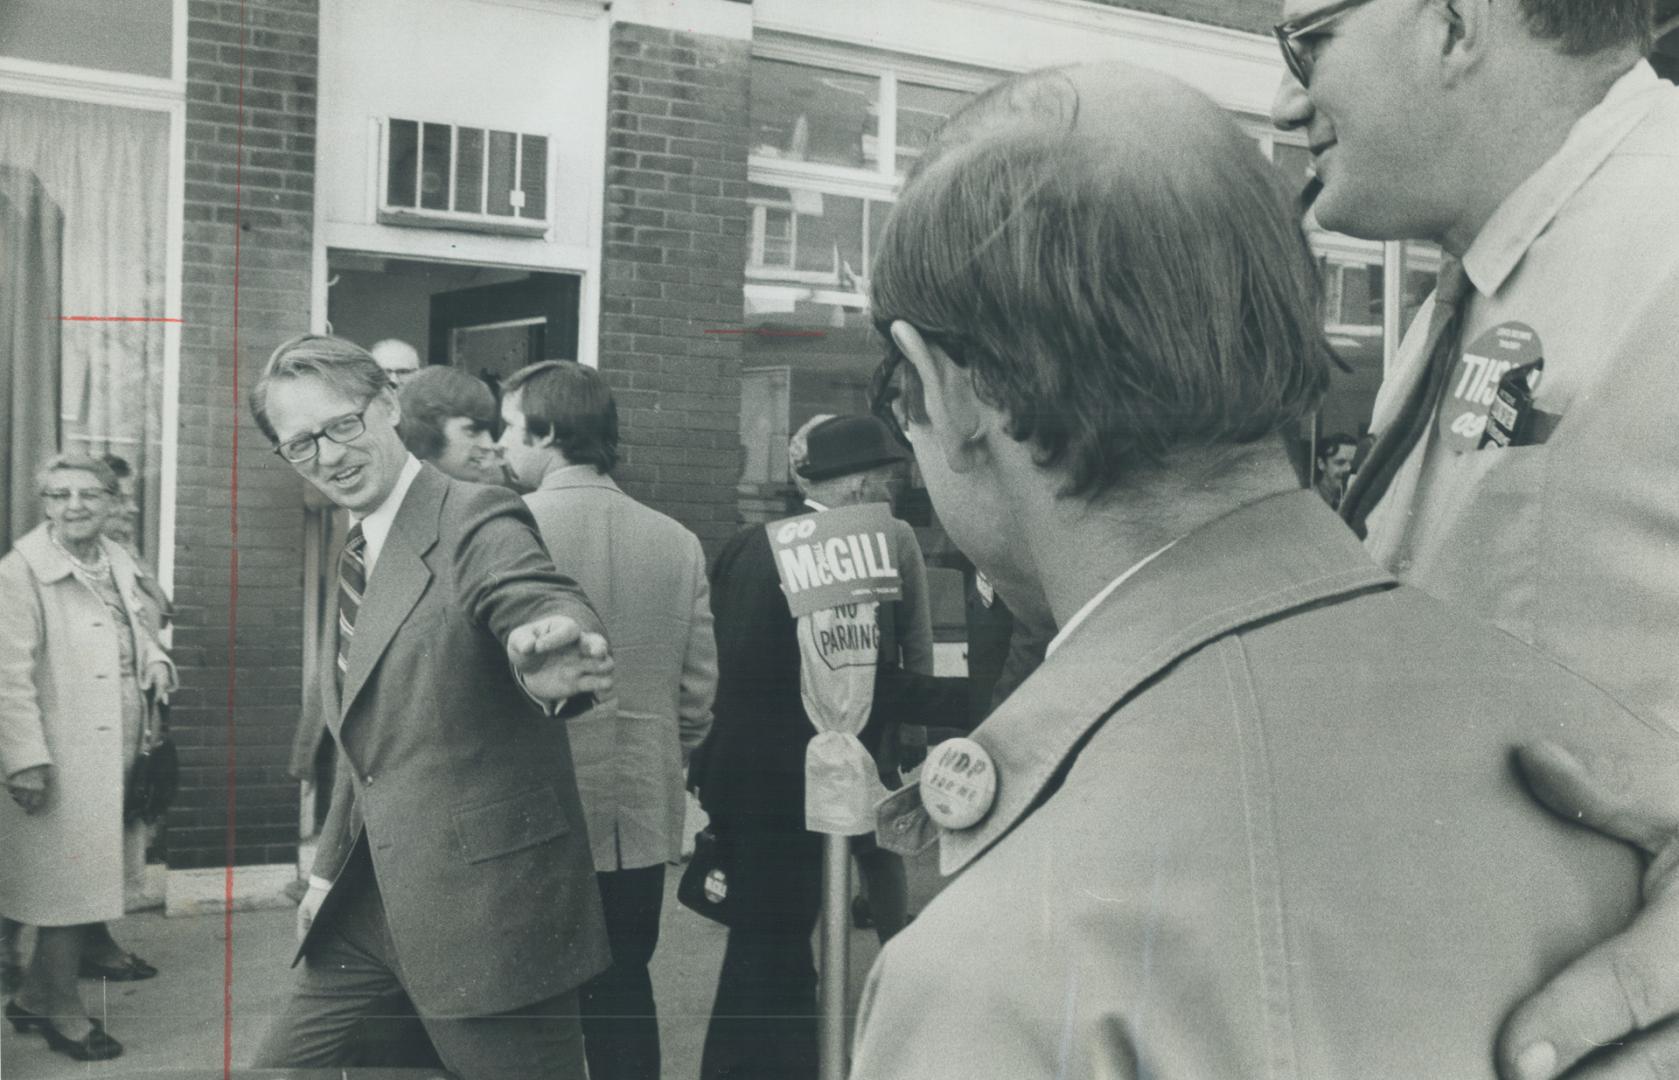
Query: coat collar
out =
(1259, 561)
(49, 564)
(399, 577)
(576, 476)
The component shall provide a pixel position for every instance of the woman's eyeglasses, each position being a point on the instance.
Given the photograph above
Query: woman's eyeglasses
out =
(87, 496)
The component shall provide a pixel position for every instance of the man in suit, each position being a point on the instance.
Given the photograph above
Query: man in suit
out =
(453, 868)
(1254, 815)
(1525, 460)
(646, 576)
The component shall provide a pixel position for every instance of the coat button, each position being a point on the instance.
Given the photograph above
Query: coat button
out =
(958, 783)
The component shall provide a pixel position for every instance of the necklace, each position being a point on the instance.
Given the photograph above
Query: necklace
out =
(99, 568)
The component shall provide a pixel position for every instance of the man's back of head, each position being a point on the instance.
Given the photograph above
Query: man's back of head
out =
(1120, 296)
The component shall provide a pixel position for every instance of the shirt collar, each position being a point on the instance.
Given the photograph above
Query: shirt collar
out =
(814, 505)
(1529, 210)
(574, 476)
(377, 525)
(1094, 602)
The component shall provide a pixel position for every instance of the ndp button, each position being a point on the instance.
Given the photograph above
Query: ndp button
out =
(958, 783)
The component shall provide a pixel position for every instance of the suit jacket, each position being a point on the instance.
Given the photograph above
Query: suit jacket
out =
(752, 767)
(1569, 543)
(1255, 818)
(460, 786)
(645, 574)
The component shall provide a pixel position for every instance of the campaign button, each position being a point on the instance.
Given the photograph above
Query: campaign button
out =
(958, 783)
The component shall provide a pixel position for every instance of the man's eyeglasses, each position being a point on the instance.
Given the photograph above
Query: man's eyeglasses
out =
(88, 496)
(340, 429)
(895, 393)
(1290, 35)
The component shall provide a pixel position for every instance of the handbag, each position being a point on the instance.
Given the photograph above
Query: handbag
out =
(705, 884)
(155, 776)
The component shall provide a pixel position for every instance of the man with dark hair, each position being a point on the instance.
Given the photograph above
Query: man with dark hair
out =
(1218, 852)
(447, 419)
(1333, 464)
(646, 574)
(1525, 463)
(453, 868)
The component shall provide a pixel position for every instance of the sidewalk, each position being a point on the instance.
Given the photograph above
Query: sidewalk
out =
(175, 1021)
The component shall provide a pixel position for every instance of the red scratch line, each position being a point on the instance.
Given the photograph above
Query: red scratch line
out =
(233, 572)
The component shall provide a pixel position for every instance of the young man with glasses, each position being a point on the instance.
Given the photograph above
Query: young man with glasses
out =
(453, 868)
(1525, 467)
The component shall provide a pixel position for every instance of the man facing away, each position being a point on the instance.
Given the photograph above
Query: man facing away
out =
(1526, 464)
(453, 868)
(751, 776)
(645, 574)
(1254, 816)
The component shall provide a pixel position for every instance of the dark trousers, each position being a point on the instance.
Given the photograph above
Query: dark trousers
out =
(351, 976)
(620, 1022)
(763, 1021)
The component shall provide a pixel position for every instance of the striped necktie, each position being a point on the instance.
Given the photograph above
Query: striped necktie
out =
(1394, 446)
(352, 585)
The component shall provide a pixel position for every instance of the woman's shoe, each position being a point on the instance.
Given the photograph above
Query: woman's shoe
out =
(129, 968)
(94, 1046)
(22, 1019)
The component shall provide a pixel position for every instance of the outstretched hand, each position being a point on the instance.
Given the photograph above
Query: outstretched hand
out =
(1615, 998)
(557, 659)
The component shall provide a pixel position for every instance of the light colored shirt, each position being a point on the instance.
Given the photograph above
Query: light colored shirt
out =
(376, 526)
(1571, 544)
(1094, 602)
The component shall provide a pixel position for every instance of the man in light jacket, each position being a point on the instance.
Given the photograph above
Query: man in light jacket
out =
(645, 574)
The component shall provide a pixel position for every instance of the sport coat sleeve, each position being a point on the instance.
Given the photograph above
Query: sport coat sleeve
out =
(697, 688)
(503, 573)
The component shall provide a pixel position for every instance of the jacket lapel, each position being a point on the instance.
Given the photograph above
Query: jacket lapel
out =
(1264, 559)
(399, 578)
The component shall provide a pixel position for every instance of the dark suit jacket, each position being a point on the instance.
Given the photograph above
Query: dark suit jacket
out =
(461, 787)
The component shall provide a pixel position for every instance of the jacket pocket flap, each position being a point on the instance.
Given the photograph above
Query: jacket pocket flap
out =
(509, 824)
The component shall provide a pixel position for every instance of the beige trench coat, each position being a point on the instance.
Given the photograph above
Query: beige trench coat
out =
(61, 705)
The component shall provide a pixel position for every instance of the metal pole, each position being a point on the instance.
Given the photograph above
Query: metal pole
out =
(836, 945)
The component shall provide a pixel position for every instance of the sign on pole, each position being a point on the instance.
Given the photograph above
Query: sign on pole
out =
(836, 568)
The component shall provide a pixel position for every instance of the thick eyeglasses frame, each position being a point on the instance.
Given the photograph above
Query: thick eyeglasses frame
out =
(1289, 34)
(325, 431)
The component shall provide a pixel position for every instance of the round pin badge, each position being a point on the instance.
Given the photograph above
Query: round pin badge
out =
(958, 783)
(1473, 385)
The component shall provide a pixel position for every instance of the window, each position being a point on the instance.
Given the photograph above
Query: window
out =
(84, 192)
(802, 113)
(446, 176)
(133, 37)
(921, 110)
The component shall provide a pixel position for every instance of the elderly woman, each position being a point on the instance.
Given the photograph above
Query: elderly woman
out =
(1254, 816)
(80, 674)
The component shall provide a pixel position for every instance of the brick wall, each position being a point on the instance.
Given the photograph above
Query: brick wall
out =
(262, 199)
(673, 268)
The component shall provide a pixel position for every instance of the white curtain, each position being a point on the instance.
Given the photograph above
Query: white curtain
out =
(107, 169)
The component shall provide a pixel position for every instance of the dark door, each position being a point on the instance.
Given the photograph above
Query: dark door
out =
(493, 330)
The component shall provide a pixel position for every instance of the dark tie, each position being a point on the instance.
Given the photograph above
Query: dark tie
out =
(352, 584)
(1394, 445)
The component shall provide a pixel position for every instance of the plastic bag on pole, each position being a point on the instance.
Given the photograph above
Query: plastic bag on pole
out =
(839, 648)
